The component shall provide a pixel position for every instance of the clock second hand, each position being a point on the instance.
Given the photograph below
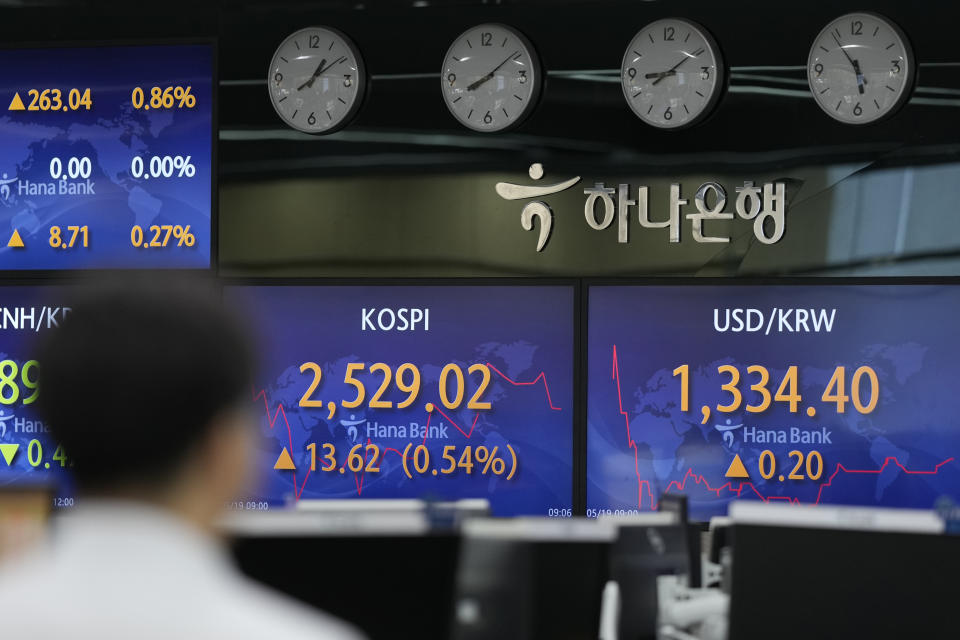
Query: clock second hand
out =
(482, 79)
(853, 63)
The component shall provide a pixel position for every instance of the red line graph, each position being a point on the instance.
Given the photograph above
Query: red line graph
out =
(359, 475)
(272, 421)
(736, 488)
(541, 377)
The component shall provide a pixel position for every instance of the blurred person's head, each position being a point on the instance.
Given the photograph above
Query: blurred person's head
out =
(143, 385)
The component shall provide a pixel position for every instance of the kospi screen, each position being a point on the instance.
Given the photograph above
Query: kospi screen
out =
(106, 157)
(828, 393)
(436, 392)
(28, 453)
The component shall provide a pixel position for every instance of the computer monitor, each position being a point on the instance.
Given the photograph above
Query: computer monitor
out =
(841, 572)
(646, 546)
(816, 393)
(29, 454)
(719, 535)
(429, 391)
(679, 504)
(390, 573)
(531, 579)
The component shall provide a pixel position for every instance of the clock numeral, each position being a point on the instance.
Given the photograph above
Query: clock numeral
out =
(523, 76)
(347, 80)
(278, 78)
(314, 42)
(668, 115)
(857, 110)
(312, 119)
(487, 119)
(704, 73)
(819, 69)
(452, 79)
(896, 66)
(631, 73)
(668, 33)
(486, 39)
(856, 28)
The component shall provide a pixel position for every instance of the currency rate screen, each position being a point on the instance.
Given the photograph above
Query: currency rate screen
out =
(28, 453)
(106, 157)
(435, 392)
(810, 394)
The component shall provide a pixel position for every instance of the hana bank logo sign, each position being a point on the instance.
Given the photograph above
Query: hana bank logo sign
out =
(5, 191)
(765, 206)
(538, 209)
(4, 418)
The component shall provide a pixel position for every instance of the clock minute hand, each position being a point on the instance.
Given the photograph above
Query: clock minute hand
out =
(331, 65)
(309, 82)
(671, 70)
(479, 81)
(842, 49)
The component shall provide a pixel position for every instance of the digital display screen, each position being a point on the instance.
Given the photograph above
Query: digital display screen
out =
(434, 392)
(826, 394)
(29, 455)
(106, 157)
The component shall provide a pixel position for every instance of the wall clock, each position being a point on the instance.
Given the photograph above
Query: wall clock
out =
(491, 78)
(317, 80)
(672, 73)
(861, 68)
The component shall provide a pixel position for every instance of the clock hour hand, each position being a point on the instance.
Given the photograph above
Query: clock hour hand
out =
(861, 80)
(479, 81)
(673, 70)
(660, 74)
(853, 63)
(309, 82)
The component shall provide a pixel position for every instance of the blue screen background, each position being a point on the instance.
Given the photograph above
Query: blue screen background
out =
(20, 424)
(522, 331)
(110, 134)
(903, 454)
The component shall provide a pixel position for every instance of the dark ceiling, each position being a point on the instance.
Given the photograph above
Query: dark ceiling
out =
(766, 118)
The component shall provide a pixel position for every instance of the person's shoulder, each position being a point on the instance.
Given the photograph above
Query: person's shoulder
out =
(259, 612)
(21, 577)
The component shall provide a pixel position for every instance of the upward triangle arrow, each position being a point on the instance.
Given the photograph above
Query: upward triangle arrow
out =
(16, 104)
(285, 462)
(736, 468)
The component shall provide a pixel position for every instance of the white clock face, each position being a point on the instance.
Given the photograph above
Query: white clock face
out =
(860, 68)
(672, 73)
(316, 80)
(491, 78)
